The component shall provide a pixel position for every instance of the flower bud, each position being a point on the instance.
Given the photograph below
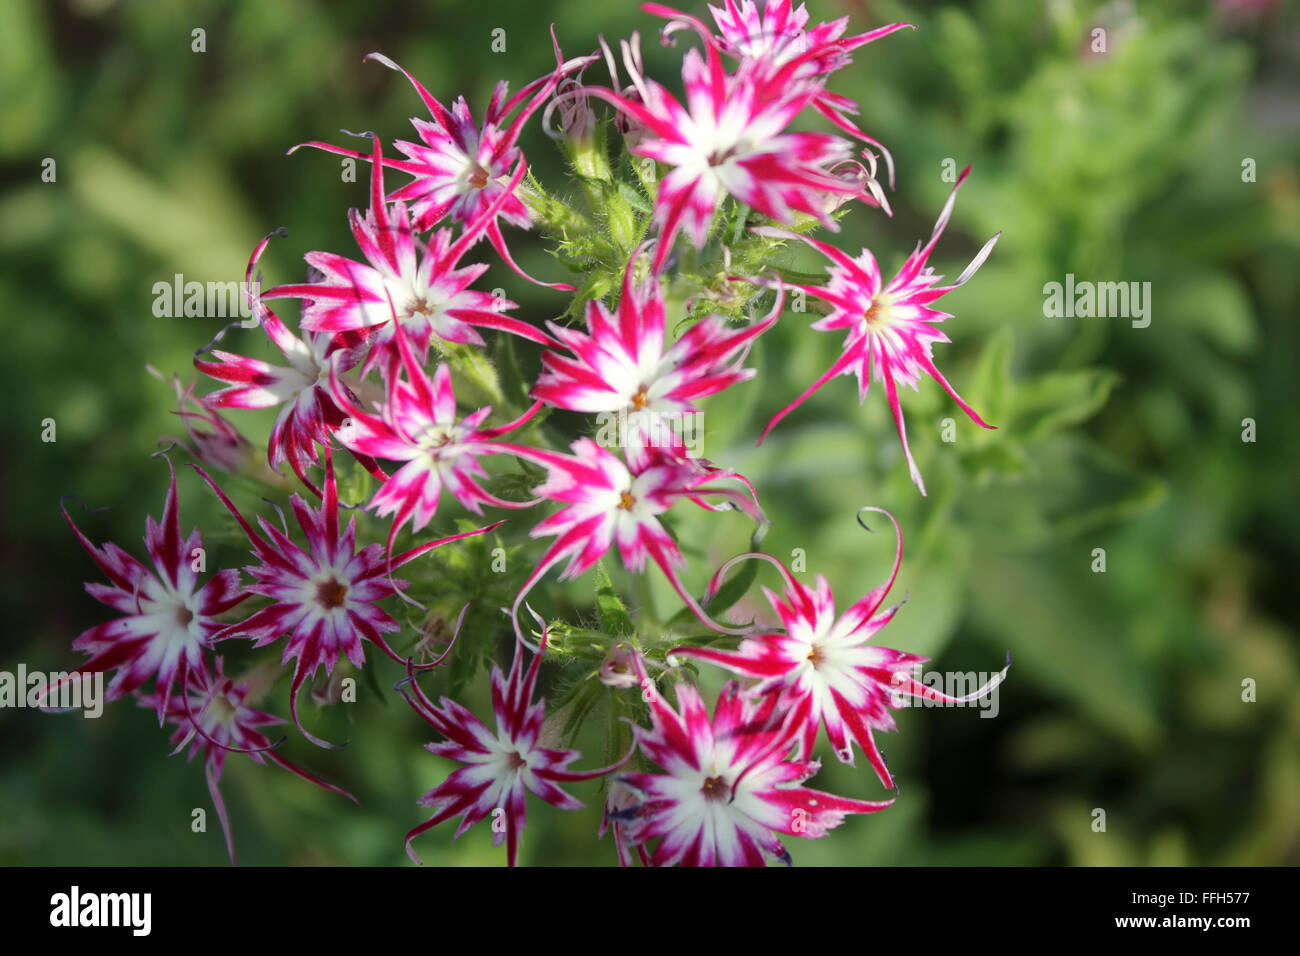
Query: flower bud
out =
(577, 121)
(633, 130)
(211, 439)
(618, 669)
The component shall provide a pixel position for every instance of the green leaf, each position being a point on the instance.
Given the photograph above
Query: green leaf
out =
(990, 389)
(514, 385)
(372, 679)
(613, 616)
(354, 483)
(1062, 644)
(1217, 307)
(479, 376)
(1006, 459)
(733, 590)
(1059, 399)
(736, 587)
(587, 697)
(635, 198)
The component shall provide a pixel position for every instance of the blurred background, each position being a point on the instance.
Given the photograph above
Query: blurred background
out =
(1169, 158)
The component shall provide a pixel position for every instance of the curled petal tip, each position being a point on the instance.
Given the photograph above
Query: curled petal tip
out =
(88, 510)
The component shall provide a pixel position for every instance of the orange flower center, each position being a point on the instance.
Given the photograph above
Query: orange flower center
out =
(478, 177)
(879, 313)
(639, 400)
(626, 501)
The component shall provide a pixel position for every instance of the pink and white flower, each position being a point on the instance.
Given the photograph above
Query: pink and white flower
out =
(167, 618)
(213, 718)
(891, 328)
(325, 597)
(780, 34)
(309, 414)
(461, 170)
(780, 47)
(730, 139)
(823, 671)
(501, 766)
(623, 364)
(608, 501)
(727, 789)
(403, 286)
(418, 425)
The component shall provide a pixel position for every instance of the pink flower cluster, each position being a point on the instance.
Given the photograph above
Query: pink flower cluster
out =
(370, 370)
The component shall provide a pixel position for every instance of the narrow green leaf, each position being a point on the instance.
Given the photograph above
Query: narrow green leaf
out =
(614, 618)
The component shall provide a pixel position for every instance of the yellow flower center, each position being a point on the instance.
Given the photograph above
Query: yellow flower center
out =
(435, 437)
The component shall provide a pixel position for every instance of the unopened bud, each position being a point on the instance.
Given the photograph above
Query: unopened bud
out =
(633, 130)
(576, 119)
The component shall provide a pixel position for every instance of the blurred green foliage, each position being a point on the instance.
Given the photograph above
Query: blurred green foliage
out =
(1126, 687)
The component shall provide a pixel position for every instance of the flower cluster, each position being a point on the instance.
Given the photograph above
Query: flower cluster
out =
(399, 359)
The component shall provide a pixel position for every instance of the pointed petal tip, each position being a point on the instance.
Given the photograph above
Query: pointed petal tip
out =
(918, 480)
